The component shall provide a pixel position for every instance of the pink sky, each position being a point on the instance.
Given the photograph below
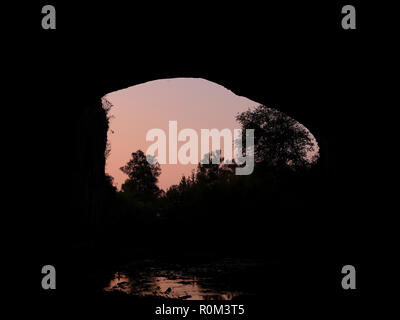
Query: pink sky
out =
(195, 103)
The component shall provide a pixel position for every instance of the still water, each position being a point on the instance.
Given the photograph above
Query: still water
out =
(168, 286)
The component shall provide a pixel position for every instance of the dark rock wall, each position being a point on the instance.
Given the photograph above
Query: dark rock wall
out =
(88, 184)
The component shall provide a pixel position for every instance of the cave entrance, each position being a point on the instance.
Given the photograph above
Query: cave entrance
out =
(194, 103)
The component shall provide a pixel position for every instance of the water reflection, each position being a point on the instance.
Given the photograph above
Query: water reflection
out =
(120, 282)
(188, 288)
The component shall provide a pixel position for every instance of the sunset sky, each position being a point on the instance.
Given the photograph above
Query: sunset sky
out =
(192, 102)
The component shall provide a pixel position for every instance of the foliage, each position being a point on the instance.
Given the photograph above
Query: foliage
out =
(280, 141)
(142, 177)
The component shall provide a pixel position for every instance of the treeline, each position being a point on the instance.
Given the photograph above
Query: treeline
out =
(215, 207)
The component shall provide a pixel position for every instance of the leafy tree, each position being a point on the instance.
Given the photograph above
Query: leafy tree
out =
(143, 175)
(279, 140)
(207, 172)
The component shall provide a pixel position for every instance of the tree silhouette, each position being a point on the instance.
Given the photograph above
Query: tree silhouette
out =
(208, 172)
(279, 141)
(143, 173)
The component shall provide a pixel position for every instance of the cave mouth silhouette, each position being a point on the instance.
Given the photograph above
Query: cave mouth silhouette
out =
(196, 103)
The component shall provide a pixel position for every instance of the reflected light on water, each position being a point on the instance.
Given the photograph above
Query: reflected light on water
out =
(120, 282)
(180, 288)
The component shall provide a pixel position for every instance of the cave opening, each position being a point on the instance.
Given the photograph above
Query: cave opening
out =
(194, 103)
